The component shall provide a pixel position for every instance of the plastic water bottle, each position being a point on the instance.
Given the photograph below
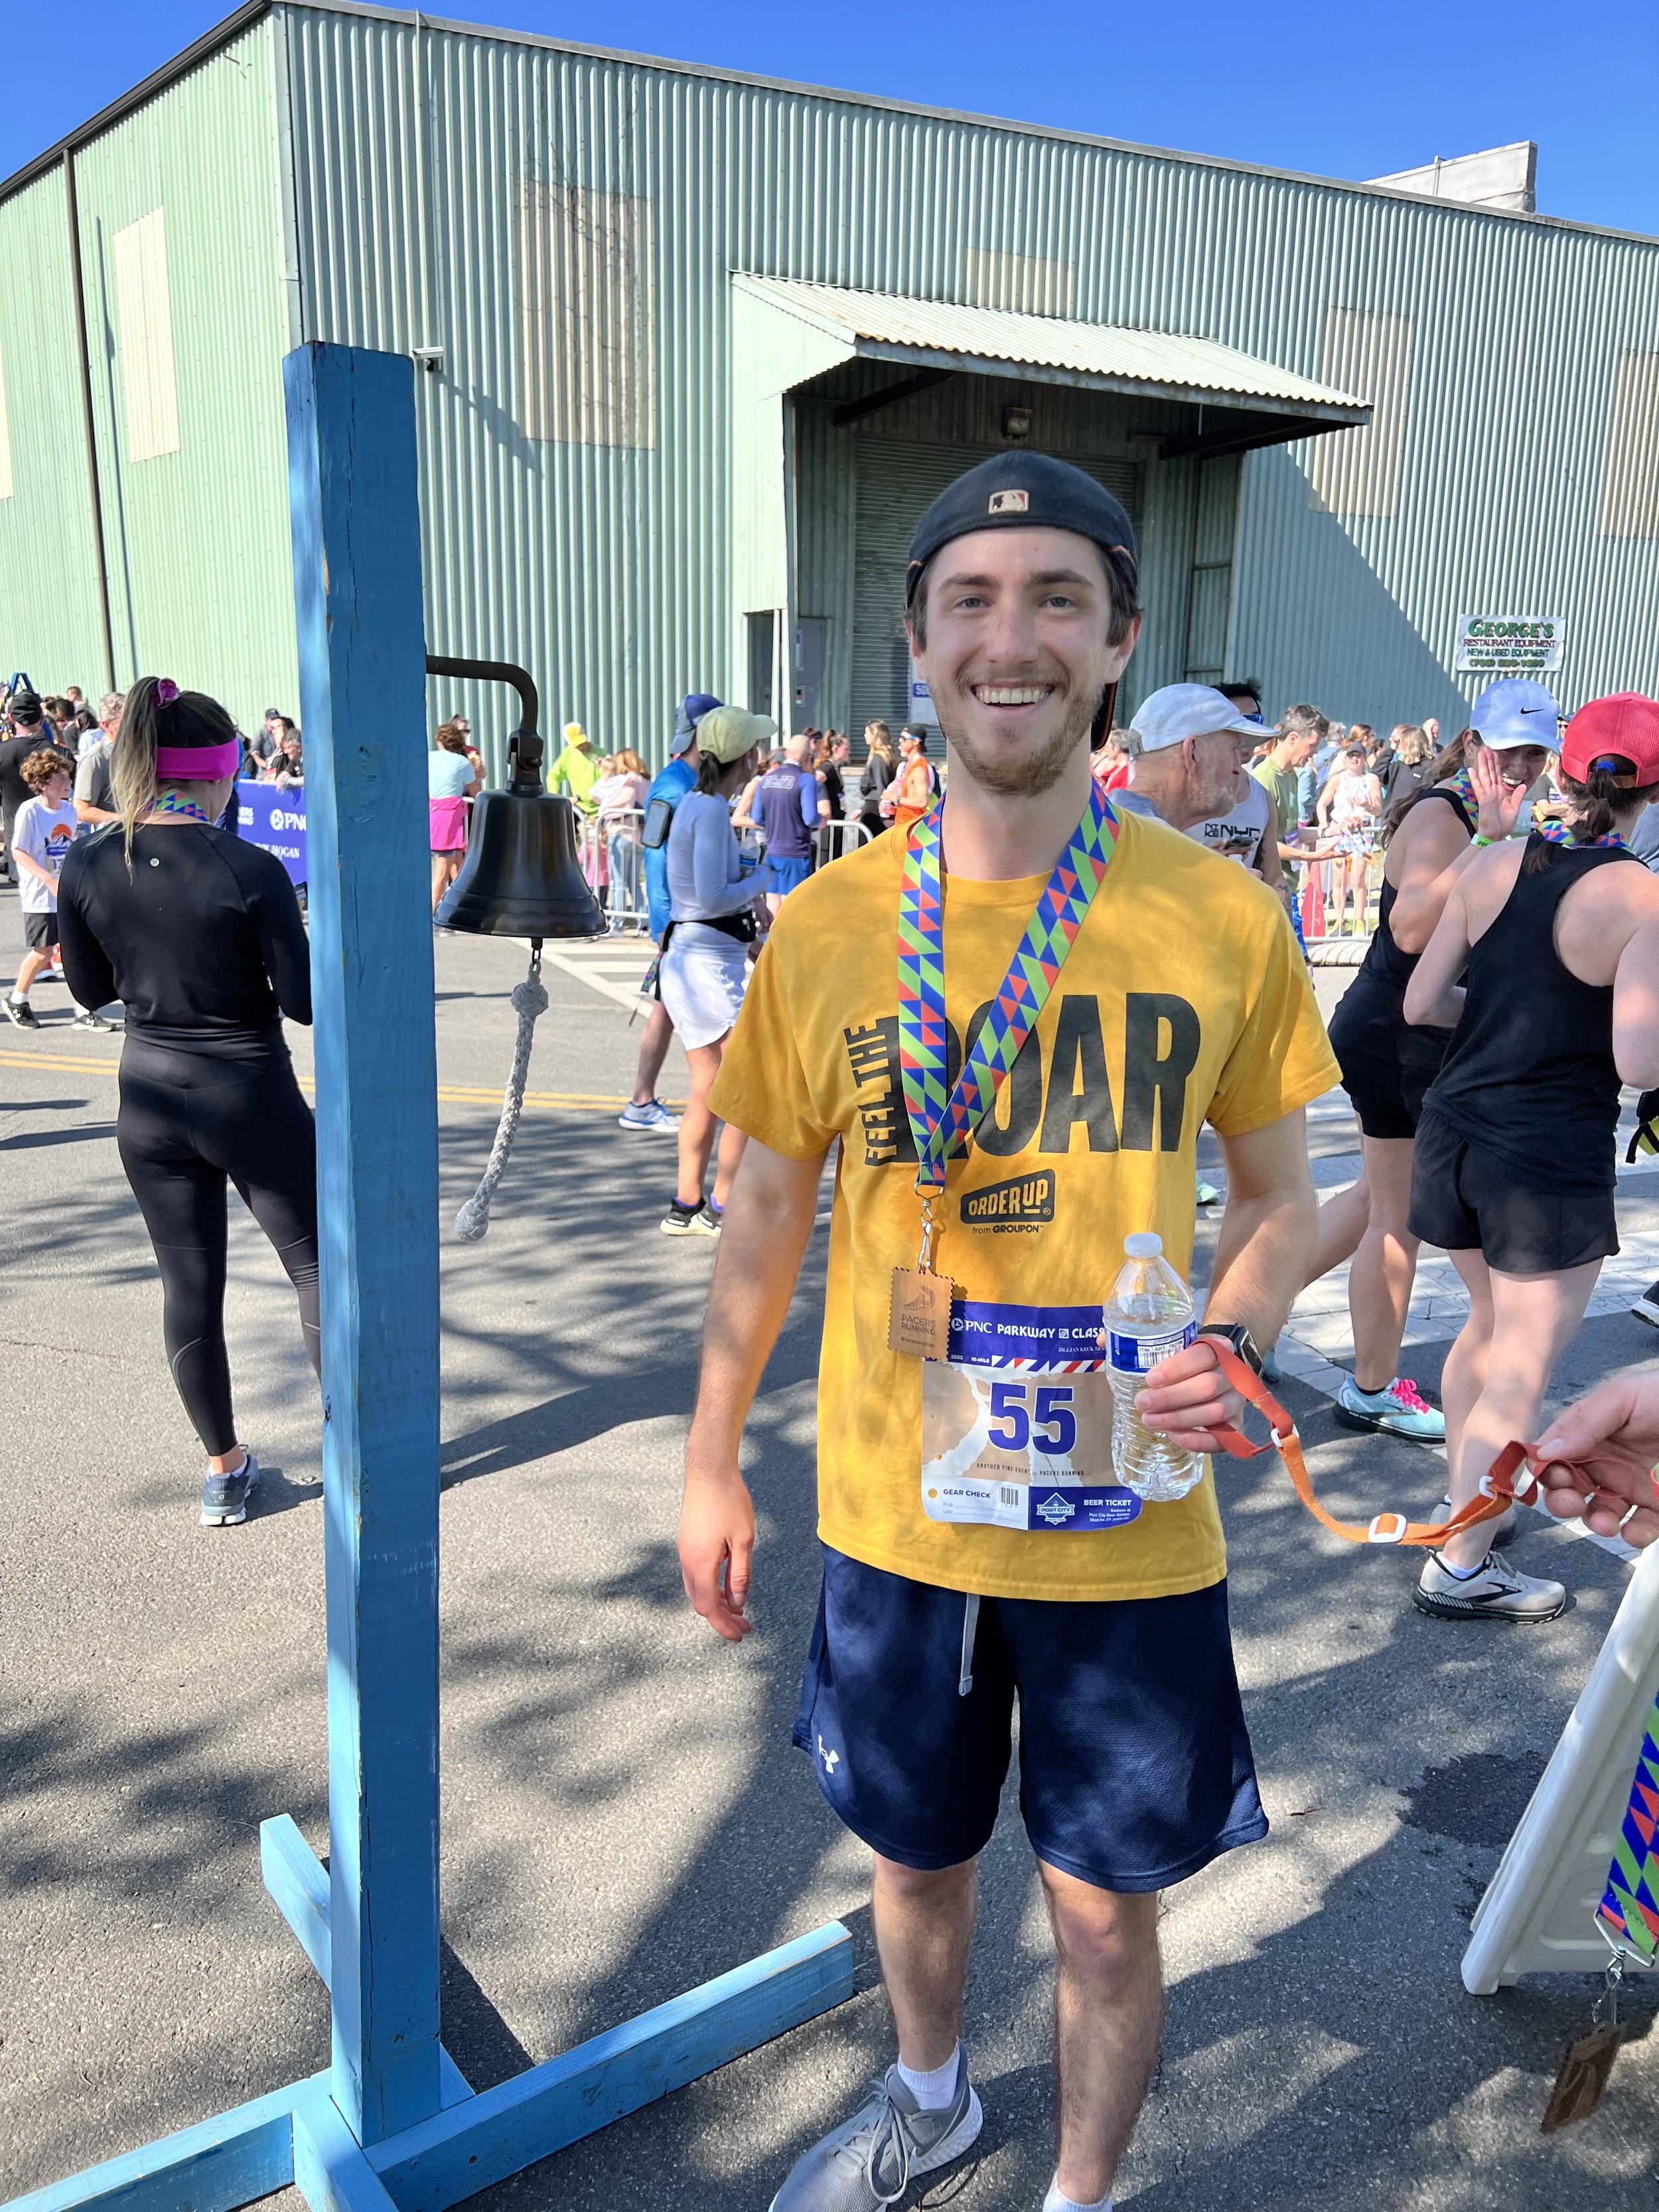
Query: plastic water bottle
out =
(1149, 1318)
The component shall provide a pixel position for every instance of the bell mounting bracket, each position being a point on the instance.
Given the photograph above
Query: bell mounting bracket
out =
(524, 747)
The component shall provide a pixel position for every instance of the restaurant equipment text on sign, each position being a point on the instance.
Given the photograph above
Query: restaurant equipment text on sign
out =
(1510, 645)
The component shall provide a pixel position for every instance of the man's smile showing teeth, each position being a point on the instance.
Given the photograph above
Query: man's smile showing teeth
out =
(1012, 695)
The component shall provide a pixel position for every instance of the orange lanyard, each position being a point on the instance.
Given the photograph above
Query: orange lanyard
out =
(1504, 1482)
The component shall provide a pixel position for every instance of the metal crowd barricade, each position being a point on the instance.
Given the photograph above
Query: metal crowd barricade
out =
(836, 839)
(612, 852)
(612, 849)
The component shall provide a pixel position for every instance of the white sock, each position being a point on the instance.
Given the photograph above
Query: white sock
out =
(932, 2092)
(21, 998)
(1058, 2201)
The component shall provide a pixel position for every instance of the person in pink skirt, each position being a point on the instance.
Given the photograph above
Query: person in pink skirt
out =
(451, 781)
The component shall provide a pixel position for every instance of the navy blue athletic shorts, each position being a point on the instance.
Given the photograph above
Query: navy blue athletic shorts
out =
(1135, 1765)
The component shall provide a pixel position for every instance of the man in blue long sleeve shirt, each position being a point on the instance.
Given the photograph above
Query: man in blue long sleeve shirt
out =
(645, 1111)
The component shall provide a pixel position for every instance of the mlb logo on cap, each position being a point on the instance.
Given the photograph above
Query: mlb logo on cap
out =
(1009, 502)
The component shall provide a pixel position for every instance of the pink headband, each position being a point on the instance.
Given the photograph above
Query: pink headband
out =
(197, 764)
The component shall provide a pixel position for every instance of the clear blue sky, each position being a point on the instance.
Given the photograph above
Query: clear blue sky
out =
(1330, 90)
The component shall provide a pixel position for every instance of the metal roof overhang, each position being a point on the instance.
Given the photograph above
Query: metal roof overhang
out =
(937, 338)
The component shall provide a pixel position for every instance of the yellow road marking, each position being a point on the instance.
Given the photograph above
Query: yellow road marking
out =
(449, 1094)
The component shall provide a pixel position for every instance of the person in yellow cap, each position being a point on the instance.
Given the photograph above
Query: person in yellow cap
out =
(575, 770)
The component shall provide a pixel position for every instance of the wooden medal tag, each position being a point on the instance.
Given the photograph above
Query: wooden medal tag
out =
(919, 1315)
(1582, 2081)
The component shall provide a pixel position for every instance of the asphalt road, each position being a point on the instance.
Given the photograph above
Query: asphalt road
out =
(622, 1815)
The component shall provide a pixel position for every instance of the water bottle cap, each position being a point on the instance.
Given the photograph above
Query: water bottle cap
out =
(1144, 1245)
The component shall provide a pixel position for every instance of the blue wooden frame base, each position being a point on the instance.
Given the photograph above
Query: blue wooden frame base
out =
(298, 2135)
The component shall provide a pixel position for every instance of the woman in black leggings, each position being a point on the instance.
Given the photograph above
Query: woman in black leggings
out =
(200, 935)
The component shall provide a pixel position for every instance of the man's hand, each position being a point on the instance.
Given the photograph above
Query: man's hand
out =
(1608, 1441)
(769, 1220)
(717, 1543)
(1187, 1398)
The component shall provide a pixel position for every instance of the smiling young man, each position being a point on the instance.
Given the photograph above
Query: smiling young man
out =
(976, 1547)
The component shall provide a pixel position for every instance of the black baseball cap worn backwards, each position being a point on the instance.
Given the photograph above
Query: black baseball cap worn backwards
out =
(1025, 491)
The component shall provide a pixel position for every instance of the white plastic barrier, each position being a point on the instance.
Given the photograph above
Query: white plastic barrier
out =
(1538, 1915)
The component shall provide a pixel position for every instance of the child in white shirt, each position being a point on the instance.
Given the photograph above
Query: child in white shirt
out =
(45, 828)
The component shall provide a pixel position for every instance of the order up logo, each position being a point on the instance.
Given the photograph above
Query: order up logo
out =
(1025, 1198)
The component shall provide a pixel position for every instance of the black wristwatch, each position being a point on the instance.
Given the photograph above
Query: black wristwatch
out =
(1235, 1333)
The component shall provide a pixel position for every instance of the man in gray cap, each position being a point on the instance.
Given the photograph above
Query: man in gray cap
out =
(1010, 1120)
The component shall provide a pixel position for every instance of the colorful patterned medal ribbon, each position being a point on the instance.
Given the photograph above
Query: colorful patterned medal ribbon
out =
(1629, 1910)
(939, 1123)
(1560, 833)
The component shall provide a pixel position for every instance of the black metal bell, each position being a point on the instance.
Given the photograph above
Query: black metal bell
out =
(521, 877)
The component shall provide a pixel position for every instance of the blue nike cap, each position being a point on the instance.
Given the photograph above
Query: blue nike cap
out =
(1025, 491)
(1515, 711)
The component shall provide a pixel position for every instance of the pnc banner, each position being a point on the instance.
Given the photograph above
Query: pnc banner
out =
(269, 816)
(1510, 645)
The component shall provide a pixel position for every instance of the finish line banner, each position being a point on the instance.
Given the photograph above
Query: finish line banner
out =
(269, 816)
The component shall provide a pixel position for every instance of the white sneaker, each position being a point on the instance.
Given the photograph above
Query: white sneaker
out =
(1495, 1591)
(653, 1114)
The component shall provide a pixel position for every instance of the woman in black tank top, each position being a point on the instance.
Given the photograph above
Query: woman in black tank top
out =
(1478, 783)
(1547, 960)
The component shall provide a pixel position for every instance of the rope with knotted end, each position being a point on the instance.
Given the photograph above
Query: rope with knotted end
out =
(529, 1003)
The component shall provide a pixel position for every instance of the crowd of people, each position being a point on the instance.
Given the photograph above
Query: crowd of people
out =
(1119, 903)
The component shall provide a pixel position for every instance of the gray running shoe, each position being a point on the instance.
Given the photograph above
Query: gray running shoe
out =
(1503, 1531)
(225, 1497)
(871, 2159)
(1493, 1592)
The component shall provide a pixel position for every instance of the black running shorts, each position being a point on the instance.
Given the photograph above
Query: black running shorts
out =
(40, 932)
(1363, 1031)
(1372, 1081)
(1465, 1197)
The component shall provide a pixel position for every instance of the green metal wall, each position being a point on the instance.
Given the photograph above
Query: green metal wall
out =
(49, 623)
(197, 540)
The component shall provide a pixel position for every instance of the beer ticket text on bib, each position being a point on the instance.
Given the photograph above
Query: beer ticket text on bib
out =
(1017, 1424)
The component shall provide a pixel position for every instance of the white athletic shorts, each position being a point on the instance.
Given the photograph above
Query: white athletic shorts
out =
(703, 976)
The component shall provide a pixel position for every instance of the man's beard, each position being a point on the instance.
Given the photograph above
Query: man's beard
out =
(1025, 776)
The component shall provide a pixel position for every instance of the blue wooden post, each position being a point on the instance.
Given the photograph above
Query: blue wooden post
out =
(363, 703)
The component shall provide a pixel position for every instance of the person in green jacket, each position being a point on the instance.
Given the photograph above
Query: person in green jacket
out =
(575, 770)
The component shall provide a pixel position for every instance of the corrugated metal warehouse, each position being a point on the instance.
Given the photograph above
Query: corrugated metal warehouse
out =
(697, 349)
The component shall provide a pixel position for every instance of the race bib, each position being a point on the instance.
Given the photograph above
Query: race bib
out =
(1017, 1423)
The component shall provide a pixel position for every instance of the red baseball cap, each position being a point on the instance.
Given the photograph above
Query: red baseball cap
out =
(1624, 729)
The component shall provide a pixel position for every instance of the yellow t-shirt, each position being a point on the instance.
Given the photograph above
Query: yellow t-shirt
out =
(1184, 998)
